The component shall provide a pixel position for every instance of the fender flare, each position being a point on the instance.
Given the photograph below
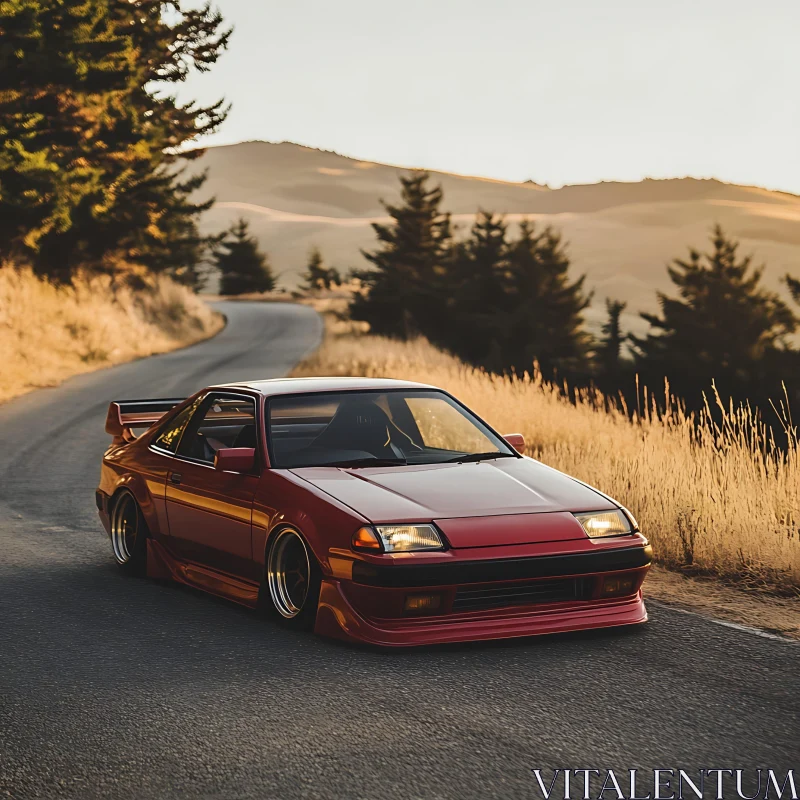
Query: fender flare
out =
(136, 486)
(282, 524)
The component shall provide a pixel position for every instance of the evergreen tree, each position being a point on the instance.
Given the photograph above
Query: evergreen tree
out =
(404, 292)
(317, 276)
(316, 273)
(477, 322)
(794, 287)
(545, 309)
(243, 267)
(90, 140)
(171, 42)
(609, 350)
(63, 71)
(512, 302)
(723, 326)
(790, 359)
(494, 302)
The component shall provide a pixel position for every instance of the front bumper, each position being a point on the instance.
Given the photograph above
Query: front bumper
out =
(337, 618)
(478, 598)
(503, 569)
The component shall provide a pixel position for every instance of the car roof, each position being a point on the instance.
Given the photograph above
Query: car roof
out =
(279, 386)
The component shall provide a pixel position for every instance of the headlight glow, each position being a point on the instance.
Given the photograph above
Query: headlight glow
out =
(598, 524)
(408, 538)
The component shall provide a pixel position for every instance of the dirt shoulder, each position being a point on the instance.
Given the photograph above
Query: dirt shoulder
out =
(710, 598)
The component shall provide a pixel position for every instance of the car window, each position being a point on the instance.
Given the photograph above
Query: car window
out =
(356, 428)
(222, 421)
(170, 436)
(443, 426)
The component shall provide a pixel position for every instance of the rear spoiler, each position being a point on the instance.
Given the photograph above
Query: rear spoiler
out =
(126, 414)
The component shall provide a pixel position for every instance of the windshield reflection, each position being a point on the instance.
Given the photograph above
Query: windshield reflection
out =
(388, 428)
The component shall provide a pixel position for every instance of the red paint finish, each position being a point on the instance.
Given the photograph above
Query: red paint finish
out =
(235, 459)
(337, 618)
(511, 529)
(210, 516)
(516, 561)
(439, 491)
(516, 440)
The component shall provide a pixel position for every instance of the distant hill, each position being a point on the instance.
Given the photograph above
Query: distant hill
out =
(621, 234)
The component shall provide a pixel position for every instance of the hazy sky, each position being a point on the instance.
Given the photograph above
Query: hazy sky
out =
(564, 91)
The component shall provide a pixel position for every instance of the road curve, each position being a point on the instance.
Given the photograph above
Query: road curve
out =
(118, 687)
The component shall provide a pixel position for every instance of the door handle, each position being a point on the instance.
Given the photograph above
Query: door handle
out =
(175, 478)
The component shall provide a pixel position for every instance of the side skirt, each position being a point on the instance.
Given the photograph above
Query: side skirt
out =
(162, 565)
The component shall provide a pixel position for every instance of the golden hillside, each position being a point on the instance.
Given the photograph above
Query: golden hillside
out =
(621, 234)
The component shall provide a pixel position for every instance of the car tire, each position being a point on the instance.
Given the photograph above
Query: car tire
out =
(129, 535)
(290, 588)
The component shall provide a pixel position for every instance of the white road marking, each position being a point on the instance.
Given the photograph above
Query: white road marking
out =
(735, 625)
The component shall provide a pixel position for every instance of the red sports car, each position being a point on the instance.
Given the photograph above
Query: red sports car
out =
(376, 511)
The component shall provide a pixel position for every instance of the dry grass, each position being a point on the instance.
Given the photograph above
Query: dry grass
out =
(709, 597)
(48, 332)
(713, 501)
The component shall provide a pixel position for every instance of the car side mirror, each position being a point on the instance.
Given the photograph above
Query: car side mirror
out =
(516, 440)
(235, 459)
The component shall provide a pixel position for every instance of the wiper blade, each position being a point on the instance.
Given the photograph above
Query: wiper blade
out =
(476, 457)
(367, 462)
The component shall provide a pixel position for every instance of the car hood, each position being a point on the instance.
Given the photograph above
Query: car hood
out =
(445, 491)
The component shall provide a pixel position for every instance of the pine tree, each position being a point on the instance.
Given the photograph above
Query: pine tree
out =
(609, 350)
(545, 309)
(317, 276)
(243, 267)
(403, 292)
(90, 141)
(171, 41)
(334, 278)
(63, 71)
(794, 287)
(789, 361)
(477, 305)
(723, 326)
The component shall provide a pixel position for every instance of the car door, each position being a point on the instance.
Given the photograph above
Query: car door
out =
(209, 511)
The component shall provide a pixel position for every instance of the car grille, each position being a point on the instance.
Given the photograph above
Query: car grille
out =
(521, 593)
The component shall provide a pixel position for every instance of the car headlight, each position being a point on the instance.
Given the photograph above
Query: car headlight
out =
(631, 518)
(604, 523)
(398, 538)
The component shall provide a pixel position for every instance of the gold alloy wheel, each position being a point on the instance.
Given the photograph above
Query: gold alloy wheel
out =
(288, 573)
(124, 528)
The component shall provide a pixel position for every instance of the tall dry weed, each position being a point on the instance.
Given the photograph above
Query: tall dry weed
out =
(49, 332)
(713, 497)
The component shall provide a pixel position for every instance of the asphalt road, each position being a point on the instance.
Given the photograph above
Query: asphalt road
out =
(118, 687)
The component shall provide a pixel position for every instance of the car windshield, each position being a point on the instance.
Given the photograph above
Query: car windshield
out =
(363, 429)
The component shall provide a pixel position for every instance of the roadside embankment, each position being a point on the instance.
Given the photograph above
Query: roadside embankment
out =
(50, 332)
